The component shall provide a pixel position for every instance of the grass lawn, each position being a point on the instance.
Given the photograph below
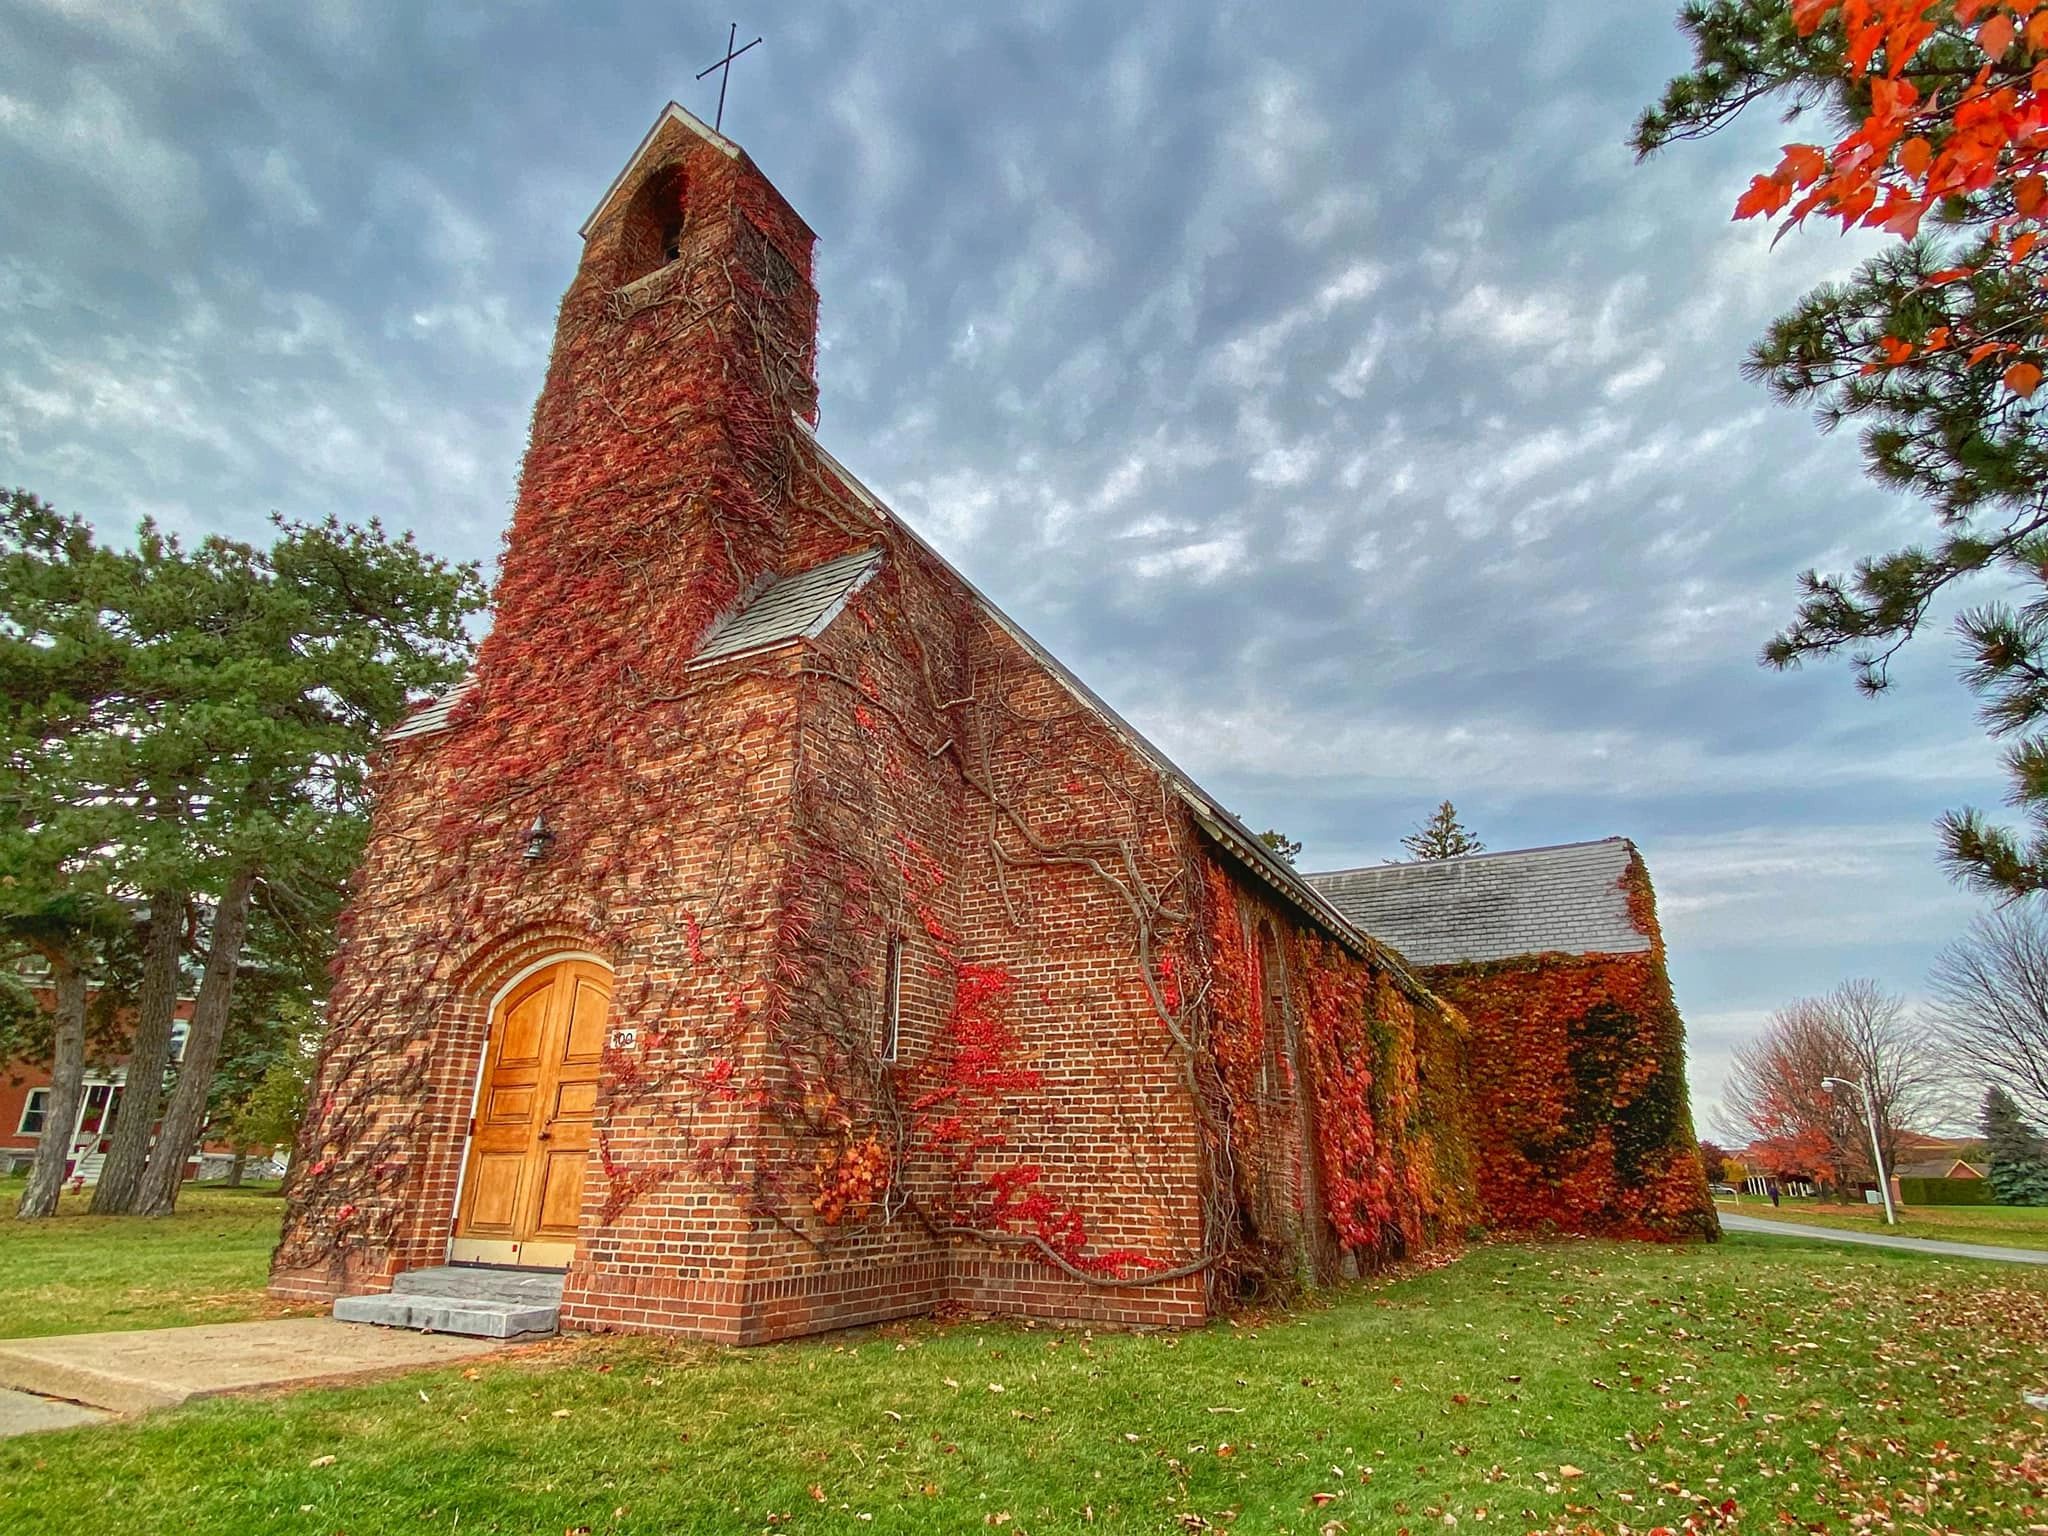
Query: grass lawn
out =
(1576, 1388)
(2002, 1226)
(82, 1274)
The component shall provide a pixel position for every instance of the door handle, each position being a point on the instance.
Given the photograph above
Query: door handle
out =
(546, 1136)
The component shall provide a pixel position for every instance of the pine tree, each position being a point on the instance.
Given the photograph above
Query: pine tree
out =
(1935, 346)
(55, 905)
(2019, 1157)
(1288, 848)
(194, 725)
(1442, 837)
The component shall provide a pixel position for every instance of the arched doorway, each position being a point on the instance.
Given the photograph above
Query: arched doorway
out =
(536, 1101)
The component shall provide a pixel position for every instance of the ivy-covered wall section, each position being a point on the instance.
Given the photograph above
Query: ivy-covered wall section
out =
(1578, 1063)
(1343, 1057)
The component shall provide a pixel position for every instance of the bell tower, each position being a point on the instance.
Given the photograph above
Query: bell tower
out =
(657, 482)
(686, 342)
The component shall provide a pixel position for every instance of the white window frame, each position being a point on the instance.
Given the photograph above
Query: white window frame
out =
(892, 1001)
(36, 1103)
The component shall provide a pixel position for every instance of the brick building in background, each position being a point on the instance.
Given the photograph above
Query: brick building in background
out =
(1555, 960)
(772, 936)
(24, 1100)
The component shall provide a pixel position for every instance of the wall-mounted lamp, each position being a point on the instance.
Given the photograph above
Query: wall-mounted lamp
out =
(539, 838)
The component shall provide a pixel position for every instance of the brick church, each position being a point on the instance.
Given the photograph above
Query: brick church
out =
(771, 936)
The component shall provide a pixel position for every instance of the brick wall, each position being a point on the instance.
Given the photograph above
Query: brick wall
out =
(743, 842)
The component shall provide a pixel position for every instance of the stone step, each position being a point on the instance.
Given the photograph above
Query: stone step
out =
(478, 1282)
(478, 1318)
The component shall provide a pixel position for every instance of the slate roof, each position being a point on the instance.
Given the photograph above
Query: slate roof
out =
(1492, 906)
(795, 607)
(431, 716)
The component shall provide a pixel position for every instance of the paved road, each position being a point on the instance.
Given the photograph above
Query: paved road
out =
(1734, 1223)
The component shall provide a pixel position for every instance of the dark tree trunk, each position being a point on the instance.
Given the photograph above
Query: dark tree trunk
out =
(185, 1116)
(67, 1090)
(237, 1168)
(128, 1150)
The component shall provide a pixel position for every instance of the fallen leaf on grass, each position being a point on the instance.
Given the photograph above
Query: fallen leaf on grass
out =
(323, 1461)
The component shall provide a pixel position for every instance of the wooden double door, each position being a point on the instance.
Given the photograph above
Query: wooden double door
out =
(522, 1188)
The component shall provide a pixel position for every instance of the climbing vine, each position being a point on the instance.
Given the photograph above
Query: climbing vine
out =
(907, 820)
(1363, 1061)
(1580, 1061)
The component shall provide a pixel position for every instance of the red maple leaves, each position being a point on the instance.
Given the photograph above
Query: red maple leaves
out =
(1967, 134)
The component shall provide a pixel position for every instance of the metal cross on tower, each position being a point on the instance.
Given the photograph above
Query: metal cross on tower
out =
(731, 53)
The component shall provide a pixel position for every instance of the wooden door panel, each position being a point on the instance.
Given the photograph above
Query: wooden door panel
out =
(524, 1030)
(531, 1139)
(576, 1101)
(509, 1104)
(584, 1040)
(494, 1191)
(561, 1194)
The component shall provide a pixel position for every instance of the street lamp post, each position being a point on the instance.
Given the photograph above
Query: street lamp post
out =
(1884, 1184)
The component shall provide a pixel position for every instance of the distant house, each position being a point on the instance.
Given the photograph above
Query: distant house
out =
(25, 1108)
(1939, 1168)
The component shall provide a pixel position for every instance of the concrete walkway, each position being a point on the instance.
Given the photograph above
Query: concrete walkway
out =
(154, 1368)
(24, 1414)
(1732, 1222)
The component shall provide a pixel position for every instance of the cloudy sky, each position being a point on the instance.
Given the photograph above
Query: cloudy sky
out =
(1325, 382)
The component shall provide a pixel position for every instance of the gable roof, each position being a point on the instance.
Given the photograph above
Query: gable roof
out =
(1492, 906)
(1238, 841)
(801, 605)
(433, 715)
(676, 113)
(1938, 1168)
(792, 607)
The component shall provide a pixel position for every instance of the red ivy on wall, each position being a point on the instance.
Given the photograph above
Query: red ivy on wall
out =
(1374, 1077)
(1579, 1061)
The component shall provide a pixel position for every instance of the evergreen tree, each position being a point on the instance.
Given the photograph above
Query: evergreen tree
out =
(315, 645)
(1281, 844)
(199, 734)
(2019, 1158)
(55, 909)
(1935, 346)
(1442, 837)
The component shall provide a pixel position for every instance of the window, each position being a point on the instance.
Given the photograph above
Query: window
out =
(35, 1111)
(892, 997)
(180, 1029)
(100, 1102)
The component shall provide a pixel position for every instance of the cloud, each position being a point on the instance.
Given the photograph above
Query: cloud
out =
(1328, 386)
(91, 136)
